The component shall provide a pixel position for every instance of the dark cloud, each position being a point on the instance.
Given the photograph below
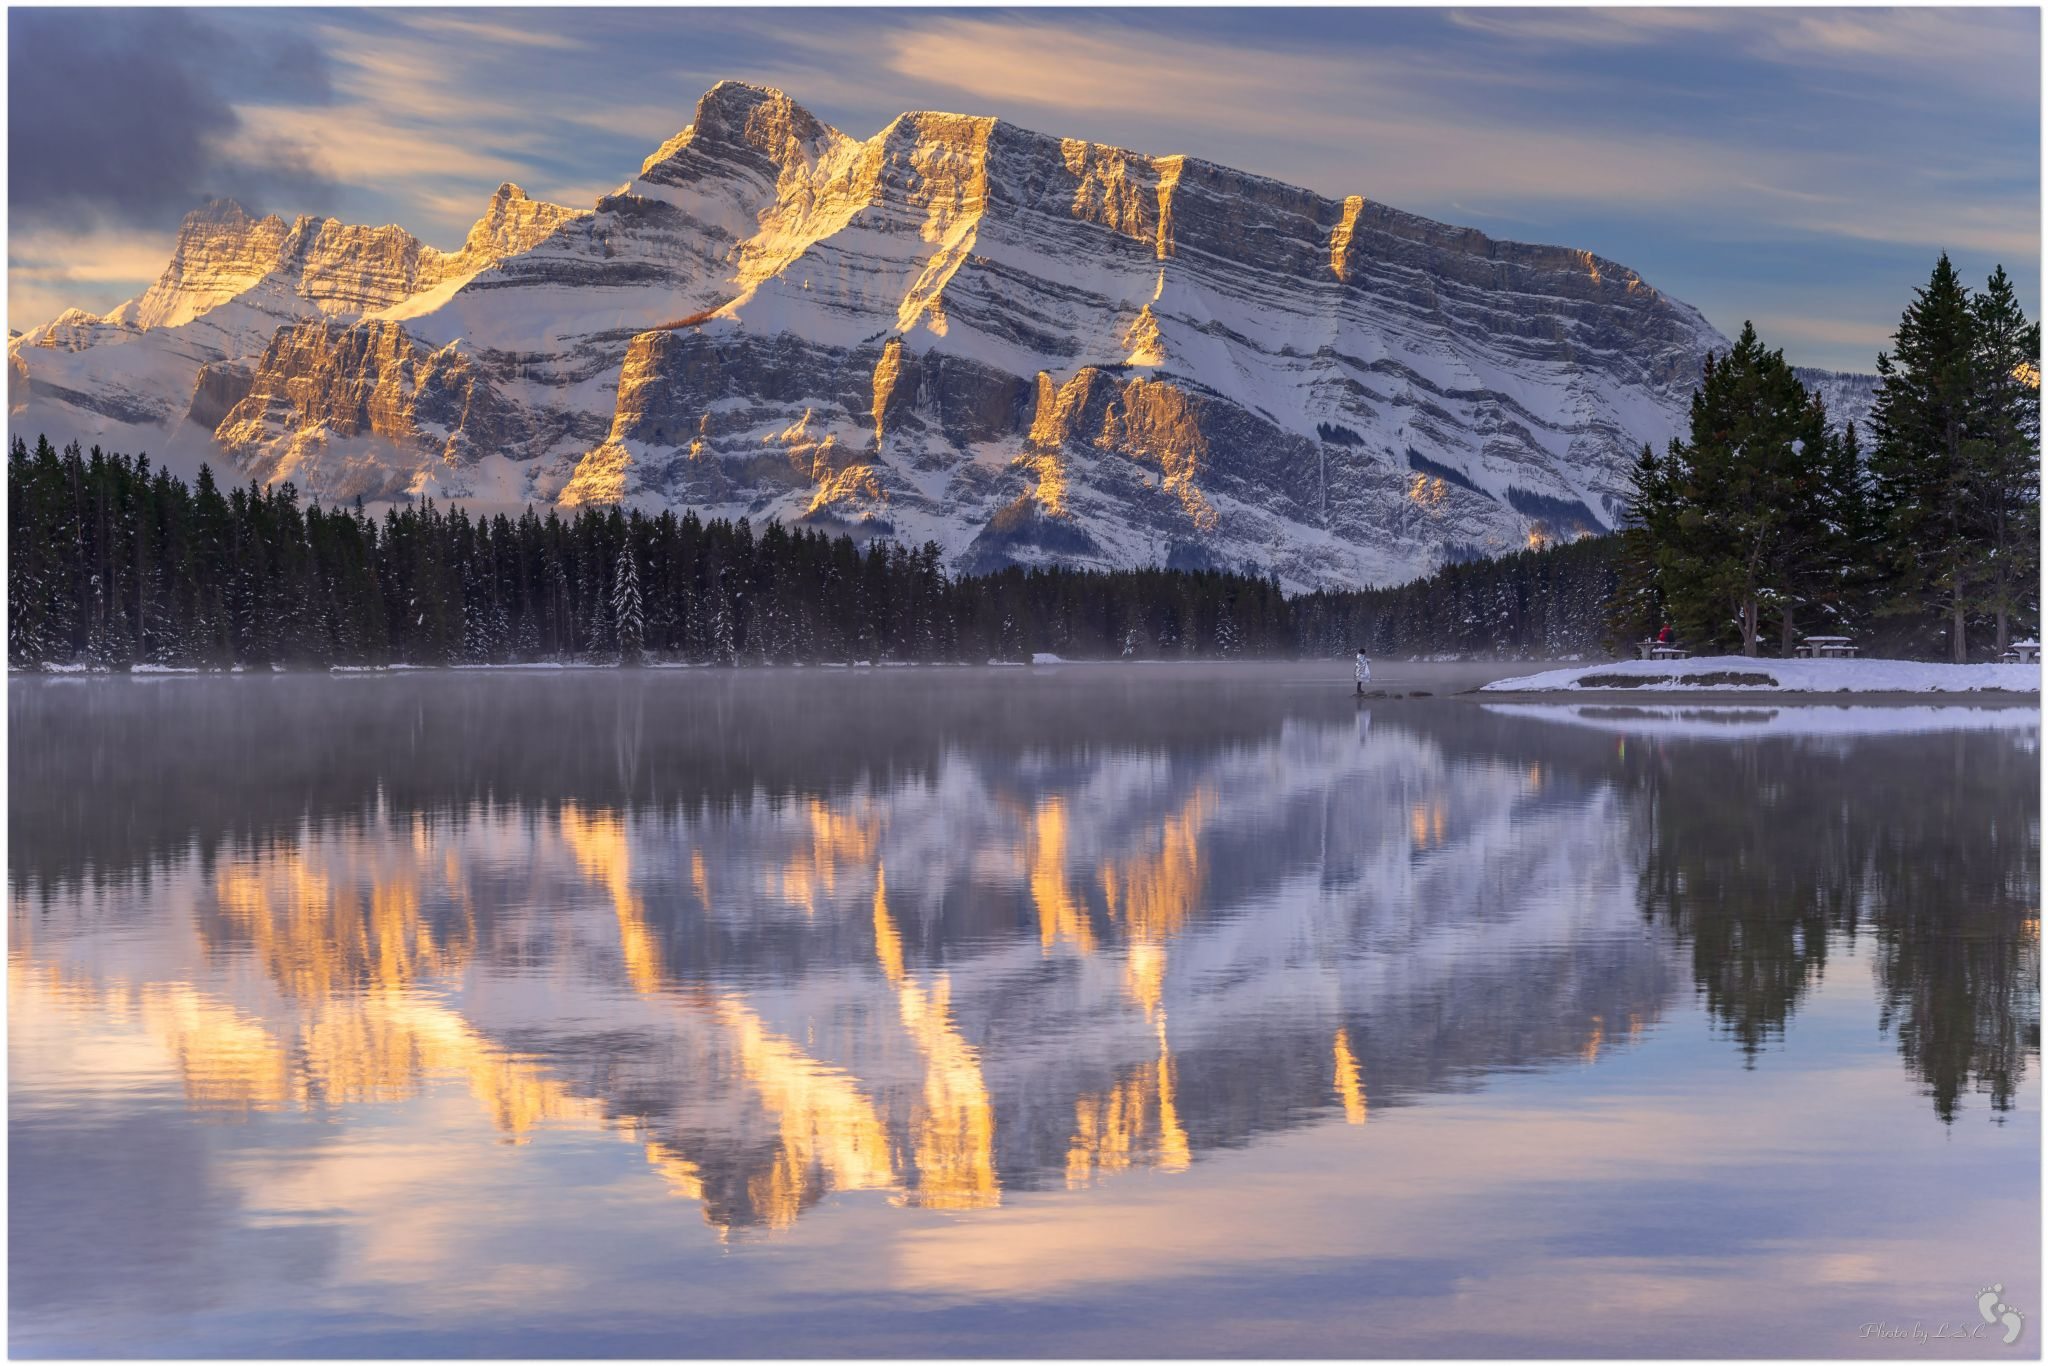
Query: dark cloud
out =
(127, 116)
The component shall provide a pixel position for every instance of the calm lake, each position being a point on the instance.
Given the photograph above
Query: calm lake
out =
(1117, 1011)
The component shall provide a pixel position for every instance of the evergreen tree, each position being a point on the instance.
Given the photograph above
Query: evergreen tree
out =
(724, 640)
(2006, 470)
(1741, 513)
(1814, 562)
(1649, 520)
(626, 607)
(1924, 456)
(35, 598)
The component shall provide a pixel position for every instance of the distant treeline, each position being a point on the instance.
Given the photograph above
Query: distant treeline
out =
(115, 563)
(1545, 603)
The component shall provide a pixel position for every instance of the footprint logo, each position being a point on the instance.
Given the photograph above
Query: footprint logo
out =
(1996, 1311)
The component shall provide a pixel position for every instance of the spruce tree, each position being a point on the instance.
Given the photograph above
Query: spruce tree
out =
(1810, 566)
(1922, 458)
(627, 610)
(1744, 496)
(1649, 520)
(33, 560)
(2006, 470)
(723, 636)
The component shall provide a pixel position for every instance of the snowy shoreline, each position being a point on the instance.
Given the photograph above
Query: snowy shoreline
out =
(1804, 718)
(1769, 677)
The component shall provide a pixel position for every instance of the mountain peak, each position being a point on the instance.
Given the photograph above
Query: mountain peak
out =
(219, 212)
(730, 97)
(756, 123)
(759, 115)
(512, 222)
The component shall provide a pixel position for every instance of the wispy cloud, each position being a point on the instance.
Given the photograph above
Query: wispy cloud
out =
(1738, 153)
(1792, 331)
(52, 269)
(99, 256)
(364, 145)
(1107, 66)
(1588, 27)
(525, 30)
(406, 121)
(1400, 125)
(2008, 230)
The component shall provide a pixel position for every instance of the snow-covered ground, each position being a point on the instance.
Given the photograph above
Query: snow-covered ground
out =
(1783, 675)
(1721, 721)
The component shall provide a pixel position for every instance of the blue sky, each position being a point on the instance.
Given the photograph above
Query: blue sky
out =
(1798, 167)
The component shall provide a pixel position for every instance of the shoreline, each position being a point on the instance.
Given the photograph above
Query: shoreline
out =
(1395, 680)
(1755, 677)
(1754, 697)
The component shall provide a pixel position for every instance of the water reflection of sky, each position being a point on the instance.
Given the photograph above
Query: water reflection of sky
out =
(1418, 1031)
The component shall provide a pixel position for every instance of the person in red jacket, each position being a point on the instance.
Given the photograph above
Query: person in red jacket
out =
(1664, 636)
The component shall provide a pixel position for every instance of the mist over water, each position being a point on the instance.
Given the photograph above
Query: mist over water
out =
(1110, 1010)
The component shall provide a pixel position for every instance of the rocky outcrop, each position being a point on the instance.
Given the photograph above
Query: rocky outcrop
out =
(325, 392)
(218, 389)
(161, 372)
(1027, 348)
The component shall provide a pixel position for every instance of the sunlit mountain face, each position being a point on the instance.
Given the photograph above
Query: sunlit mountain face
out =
(1027, 348)
(758, 951)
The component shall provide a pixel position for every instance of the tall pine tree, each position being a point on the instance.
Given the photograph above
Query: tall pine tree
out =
(1739, 515)
(627, 610)
(2006, 451)
(1922, 460)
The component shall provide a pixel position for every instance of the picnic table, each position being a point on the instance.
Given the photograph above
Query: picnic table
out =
(1658, 649)
(1827, 647)
(2023, 652)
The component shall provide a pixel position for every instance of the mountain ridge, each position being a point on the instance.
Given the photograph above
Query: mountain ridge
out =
(1027, 348)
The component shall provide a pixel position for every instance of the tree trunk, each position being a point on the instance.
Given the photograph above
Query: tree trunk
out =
(1961, 648)
(2003, 629)
(1749, 616)
(1785, 634)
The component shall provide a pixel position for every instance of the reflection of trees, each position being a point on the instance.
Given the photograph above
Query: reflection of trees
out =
(1766, 854)
(1955, 886)
(1752, 865)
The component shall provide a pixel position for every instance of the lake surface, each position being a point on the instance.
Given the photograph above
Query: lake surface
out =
(1087, 1011)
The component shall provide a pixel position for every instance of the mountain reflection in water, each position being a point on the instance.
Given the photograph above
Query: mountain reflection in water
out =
(957, 937)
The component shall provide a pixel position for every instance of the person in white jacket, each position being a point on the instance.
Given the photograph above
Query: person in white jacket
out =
(1362, 670)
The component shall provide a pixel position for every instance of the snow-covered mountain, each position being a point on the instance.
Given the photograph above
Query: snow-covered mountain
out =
(1027, 348)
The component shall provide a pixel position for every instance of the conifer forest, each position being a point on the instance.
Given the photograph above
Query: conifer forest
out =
(1765, 522)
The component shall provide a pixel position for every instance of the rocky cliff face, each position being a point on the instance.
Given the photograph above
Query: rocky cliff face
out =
(1030, 349)
(243, 301)
(362, 411)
